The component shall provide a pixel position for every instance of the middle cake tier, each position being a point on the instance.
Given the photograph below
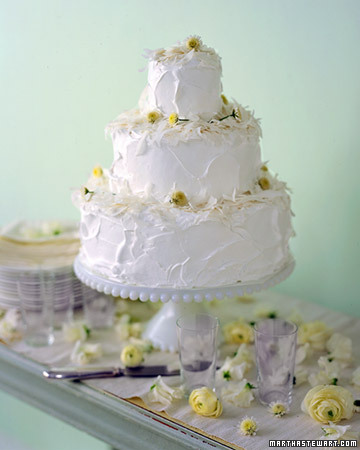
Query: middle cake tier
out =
(203, 160)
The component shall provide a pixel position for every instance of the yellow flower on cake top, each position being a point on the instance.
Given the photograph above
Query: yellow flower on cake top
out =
(204, 402)
(173, 119)
(97, 172)
(224, 99)
(193, 43)
(131, 356)
(264, 183)
(316, 333)
(328, 403)
(238, 332)
(153, 116)
(178, 198)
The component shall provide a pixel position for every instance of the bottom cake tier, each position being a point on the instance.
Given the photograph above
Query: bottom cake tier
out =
(159, 245)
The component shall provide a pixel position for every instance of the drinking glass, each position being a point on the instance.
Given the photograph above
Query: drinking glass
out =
(36, 293)
(197, 339)
(275, 346)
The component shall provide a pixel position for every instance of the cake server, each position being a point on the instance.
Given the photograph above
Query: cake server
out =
(71, 373)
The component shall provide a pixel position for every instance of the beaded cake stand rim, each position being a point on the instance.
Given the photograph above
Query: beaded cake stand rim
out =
(154, 294)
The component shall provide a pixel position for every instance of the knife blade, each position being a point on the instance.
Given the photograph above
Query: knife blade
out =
(76, 373)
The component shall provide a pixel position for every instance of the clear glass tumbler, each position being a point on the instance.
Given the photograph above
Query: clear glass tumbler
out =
(197, 339)
(36, 293)
(275, 346)
(99, 311)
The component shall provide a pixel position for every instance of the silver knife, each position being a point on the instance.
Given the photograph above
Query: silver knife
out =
(77, 373)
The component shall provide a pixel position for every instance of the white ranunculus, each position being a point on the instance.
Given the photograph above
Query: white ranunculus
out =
(320, 377)
(244, 355)
(10, 325)
(296, 317)
(84, 353)
(239, 394)
(301, 375)
(355, 379)
(264, 311)
(303, 352)
(331, 366)
(125, 329)
(315, 333)
(144, 344)
(338, 432)
(231, 371)
(161, 395)
(13, 317)
(75, 331)
(340, 348)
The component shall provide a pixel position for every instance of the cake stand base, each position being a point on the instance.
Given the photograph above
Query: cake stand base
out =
(161, 329)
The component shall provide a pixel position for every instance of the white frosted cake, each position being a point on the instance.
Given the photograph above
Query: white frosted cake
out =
(188, 201)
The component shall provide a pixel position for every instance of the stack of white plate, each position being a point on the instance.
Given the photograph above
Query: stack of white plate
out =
(28, 250)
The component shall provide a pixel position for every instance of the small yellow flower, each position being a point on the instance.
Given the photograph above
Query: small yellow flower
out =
(278, 409)
(328, 403)
(153, 116)
(204, 402)
(178, 198)
(224, 99)
(264, 183)
(238, 332)
(193, 43)
(248, 426)
(131, 356)
(97, 172)
(173, 119)
(264, 168)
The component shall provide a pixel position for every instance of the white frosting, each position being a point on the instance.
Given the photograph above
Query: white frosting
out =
(230, 231)
(185, 82)
(204, 166)
(152, 244)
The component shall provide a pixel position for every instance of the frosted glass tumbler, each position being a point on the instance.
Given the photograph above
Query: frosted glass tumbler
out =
(197, 339)
(36, 293)
(275, 346)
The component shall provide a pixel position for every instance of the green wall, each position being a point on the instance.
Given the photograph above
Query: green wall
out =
(69, 67)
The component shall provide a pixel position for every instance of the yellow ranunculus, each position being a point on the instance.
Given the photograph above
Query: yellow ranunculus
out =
(153, 116)
(131, 356)
(264, 183)
(238, 333)
(204, 402)
(328, 403)
(315, 333)
(173, 119)
(178, 198)
(97, 172)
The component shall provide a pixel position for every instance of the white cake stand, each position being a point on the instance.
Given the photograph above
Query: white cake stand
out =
(161, 329)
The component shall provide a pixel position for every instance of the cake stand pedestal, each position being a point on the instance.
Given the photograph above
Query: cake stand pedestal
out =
(161, 329)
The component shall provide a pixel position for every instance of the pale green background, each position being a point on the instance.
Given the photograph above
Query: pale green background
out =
(67, 68)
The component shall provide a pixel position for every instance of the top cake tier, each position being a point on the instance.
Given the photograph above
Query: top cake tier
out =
(184, 79)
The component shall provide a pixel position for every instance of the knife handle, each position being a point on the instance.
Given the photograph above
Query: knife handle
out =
(81, 374)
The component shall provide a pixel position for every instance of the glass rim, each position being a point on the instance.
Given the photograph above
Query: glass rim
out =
(212, 327)
(276, 334)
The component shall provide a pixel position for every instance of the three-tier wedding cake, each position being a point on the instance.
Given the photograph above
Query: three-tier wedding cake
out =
(187, 201)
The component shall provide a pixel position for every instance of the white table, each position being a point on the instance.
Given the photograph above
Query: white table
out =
(97, 407)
